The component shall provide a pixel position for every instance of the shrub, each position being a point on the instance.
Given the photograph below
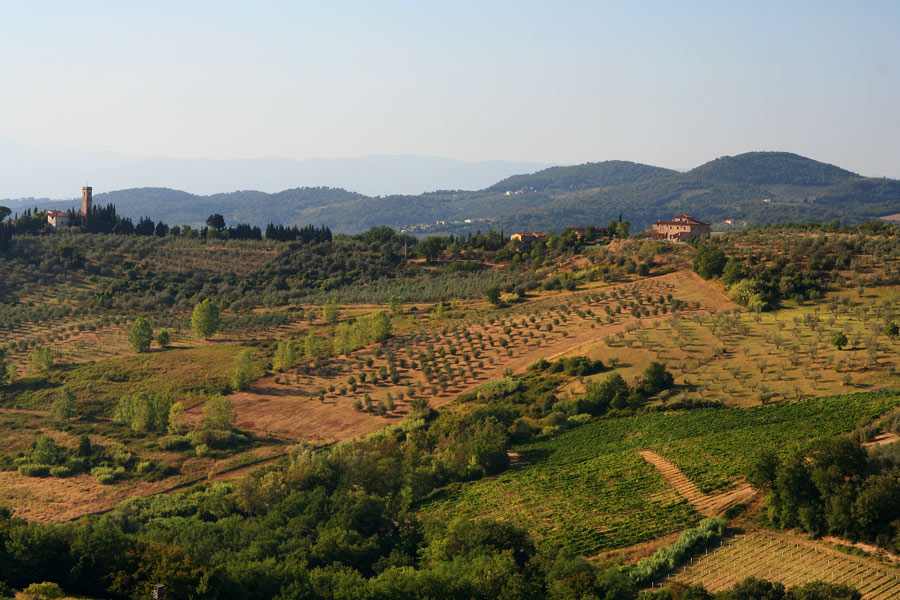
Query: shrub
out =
(60, 471)
(44, 450)
(107, 475)
(163, 338)
(497, 389)
(174, 442)
(41, 358)
(46, 589)
(33, 470)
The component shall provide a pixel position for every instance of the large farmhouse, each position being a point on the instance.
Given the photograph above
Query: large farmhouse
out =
(526, 239)
(681, 228)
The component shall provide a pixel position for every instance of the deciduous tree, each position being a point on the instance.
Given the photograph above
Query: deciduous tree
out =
(140, 335)
(64, 405)
(205, 321)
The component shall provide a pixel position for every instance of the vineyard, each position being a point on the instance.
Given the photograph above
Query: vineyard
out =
(792, 562)
(589, 490)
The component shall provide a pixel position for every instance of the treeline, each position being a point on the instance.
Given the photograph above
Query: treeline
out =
(307, 235)
(836, 488)
(105, 219)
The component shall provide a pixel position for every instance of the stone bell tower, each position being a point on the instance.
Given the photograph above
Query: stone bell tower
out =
(86, 200)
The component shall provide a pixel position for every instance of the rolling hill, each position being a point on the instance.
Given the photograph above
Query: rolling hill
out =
(751, 188)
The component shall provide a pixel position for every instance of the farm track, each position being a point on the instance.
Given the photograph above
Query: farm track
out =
(706, 504)
(792, 562)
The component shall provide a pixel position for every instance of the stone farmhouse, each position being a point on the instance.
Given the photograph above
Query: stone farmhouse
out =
(67, 218)
(526, 239)
(680, 229)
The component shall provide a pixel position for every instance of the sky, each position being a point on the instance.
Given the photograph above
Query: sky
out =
(673, 84)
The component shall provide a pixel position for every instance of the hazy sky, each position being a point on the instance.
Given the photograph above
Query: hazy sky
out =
(668, 83)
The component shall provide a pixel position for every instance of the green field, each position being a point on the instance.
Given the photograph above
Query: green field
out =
(587, 490)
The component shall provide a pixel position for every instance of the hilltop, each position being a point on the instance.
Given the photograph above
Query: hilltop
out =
(751, 189)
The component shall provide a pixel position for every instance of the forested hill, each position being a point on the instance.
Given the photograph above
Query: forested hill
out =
(582, 177)
(773, 168)
(752, 188)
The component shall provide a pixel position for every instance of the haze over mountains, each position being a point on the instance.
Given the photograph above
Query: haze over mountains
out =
(751, 188)
(44, 172)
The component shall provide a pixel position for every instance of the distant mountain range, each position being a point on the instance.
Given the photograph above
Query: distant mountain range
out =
(748, 189)
(31, 171)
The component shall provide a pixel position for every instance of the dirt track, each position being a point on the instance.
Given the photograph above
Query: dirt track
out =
(709, 505)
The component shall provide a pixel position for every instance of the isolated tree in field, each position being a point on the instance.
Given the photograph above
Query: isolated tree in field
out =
(218, 413)
(839, 340)
(243, 371)
(140, 335)
(205, 321)
(892, 330)
(63, 407)
(492, 295)
(144, 411)
(163, 338)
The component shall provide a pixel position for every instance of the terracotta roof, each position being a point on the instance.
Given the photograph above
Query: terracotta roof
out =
(684, 221)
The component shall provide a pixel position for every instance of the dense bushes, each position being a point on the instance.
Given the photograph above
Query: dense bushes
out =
(368, 329)
(46, 457)
(144, 411)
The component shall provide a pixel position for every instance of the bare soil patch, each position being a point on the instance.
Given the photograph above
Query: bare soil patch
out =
(881, 439)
